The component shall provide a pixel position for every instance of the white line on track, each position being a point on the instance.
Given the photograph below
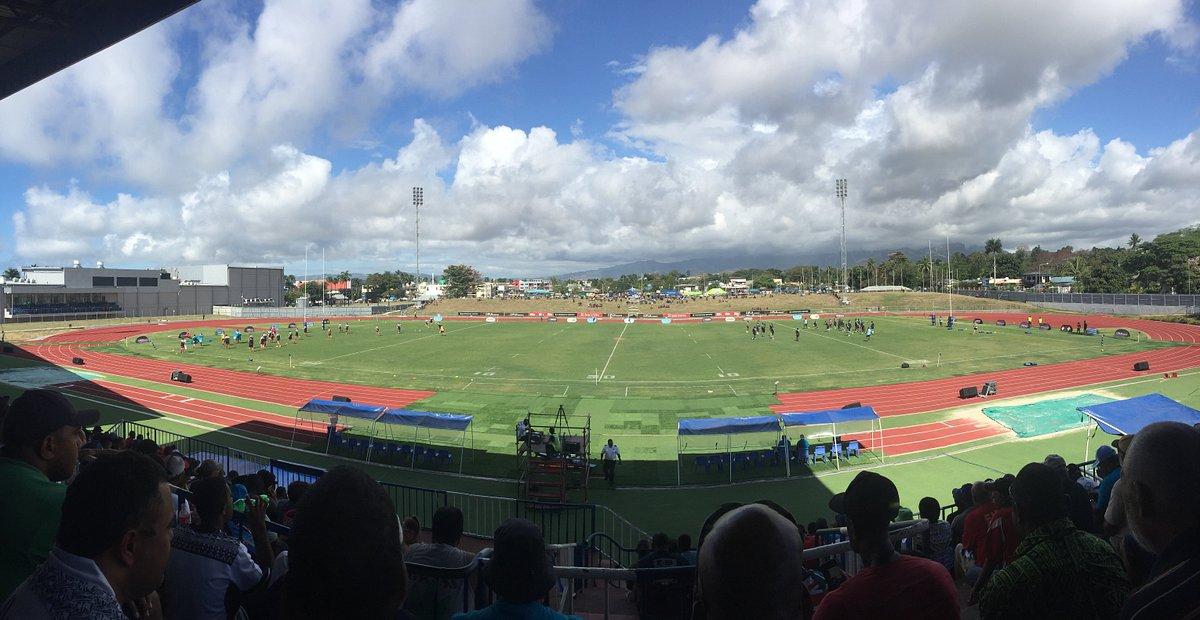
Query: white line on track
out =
(397, 344)
(614, 352)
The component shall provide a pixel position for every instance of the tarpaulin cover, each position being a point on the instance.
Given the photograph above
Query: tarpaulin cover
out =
(341, 408)
(728, 426)
(427, 419)
(1126, 417)
(828, 416)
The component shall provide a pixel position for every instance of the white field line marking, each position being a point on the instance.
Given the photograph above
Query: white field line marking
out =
(548, 337)
(708, 356)
(564, 391)
(397, 344)
(187, 400)
(614, 352)
(468, 384)
(731, 389)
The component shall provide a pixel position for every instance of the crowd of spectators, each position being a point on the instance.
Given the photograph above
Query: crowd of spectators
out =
(98, 526)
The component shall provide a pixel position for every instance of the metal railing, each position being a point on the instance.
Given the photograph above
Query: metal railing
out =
(561, 523)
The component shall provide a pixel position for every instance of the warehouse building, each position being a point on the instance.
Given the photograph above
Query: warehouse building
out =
(65, 293)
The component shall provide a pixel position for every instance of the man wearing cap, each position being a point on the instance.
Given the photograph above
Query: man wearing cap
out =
(890, 585)
(1106, 460)
(42, 435)
(519, 572)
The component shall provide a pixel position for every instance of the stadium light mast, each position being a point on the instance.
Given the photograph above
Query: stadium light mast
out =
(418, 198)
(840, 185)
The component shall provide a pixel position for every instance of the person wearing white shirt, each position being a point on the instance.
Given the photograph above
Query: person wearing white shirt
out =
(609, 455)
(206, 562)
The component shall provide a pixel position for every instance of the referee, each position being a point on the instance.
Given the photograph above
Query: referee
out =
(609, 455)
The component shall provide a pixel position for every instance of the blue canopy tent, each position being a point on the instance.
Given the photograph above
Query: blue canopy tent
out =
(832, 418)
(720, 426)
(429, 421)
(1126, 417)
(379, 414)
(335, 409)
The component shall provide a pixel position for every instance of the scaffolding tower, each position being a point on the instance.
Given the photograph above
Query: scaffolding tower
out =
(553, 475)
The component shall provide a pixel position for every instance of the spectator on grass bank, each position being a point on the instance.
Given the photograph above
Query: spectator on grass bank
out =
(520, 573)
(1162, 505)
(344, 554)
(427, 598)
(206, 563)
(1059, 571)
(42, 435)
(890, 585)
(111, 547)
(750, 565)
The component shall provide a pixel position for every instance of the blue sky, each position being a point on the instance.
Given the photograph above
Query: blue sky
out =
(561, 135)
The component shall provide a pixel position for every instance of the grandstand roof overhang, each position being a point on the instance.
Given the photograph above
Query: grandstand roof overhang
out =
(39, 38)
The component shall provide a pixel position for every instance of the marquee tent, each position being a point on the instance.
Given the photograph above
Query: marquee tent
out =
(726, 427)
(1126, 417)
(849, 419)
(389, 417)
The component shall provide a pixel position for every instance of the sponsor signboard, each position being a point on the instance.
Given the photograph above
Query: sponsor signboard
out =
(468, 314)
(564, 314)
(703, 314)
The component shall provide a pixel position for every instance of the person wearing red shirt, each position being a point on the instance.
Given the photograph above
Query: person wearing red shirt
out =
(975, 527)
(1000, 541)
(890, 585)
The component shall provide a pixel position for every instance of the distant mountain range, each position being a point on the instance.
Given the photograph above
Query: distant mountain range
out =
(717, 264)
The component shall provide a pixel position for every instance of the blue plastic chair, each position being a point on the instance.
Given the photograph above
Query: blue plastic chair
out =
(336, 442)
(418, 454)
(404, 452)
(819, 454)
(746, 459)
(702, 463)
(717, 461)
(352, 447)
(837, 451)
(853, 449)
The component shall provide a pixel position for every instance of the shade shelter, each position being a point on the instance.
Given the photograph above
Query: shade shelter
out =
(851, 420)
(335, 409)
(718, 427)
(1127, 417)
(427, 421)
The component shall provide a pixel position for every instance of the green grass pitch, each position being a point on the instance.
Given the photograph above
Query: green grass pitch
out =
(635, 380)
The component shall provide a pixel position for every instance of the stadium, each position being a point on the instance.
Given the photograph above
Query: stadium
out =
(612, 430)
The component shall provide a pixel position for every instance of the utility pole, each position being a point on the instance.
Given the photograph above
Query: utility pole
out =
(840, 186)
(949, 281)
(418, 198)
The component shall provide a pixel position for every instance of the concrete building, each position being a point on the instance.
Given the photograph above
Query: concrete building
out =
(50, 293)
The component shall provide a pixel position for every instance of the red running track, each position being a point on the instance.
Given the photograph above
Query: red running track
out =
(206, 411)
(919, 437)
(914, 397)
(268, 388)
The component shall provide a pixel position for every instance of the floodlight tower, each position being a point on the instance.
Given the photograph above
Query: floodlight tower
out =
(840, 185)
(418, 198)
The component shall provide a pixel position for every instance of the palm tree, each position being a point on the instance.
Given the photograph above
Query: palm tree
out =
(1078, 267)
(12, 273)
(1134, 240)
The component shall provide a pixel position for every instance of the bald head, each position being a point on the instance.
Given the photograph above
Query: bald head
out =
(750, 565)
(1160, 481)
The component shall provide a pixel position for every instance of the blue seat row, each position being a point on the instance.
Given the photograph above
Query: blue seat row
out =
(389, 452)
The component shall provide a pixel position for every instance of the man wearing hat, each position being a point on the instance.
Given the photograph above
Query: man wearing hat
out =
(890, 585)
(42, 435)
(520, 574)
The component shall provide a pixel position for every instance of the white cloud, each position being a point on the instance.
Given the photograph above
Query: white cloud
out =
(925, 107)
